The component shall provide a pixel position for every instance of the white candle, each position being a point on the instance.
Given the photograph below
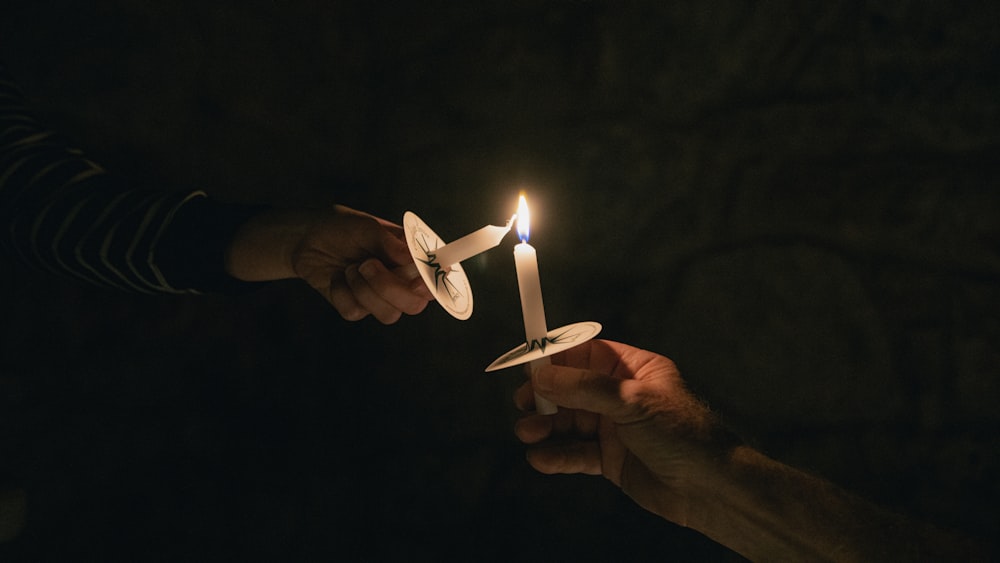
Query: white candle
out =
(470, 245)
(530, 287)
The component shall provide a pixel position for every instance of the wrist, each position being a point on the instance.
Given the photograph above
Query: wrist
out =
(262, 248)
(691, 485)
(732, 500)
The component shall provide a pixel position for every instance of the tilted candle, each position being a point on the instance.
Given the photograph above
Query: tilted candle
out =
(471, 244)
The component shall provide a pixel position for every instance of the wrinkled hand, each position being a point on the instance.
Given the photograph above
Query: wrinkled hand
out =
(358, 262)
(627, 415)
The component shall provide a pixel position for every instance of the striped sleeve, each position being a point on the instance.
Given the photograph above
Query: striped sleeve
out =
(63, 213)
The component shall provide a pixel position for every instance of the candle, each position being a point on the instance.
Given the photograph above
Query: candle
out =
(530, 288)
(471, 244)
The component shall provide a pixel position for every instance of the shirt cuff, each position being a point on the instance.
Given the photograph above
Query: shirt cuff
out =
(191, 254)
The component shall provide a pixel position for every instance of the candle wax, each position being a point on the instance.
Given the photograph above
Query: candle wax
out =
(530, 287)
(533, 311)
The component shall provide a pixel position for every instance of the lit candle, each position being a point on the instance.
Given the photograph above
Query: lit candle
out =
(530, 287)
(470, 245)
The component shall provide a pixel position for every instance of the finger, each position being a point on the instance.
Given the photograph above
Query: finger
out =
(563, 421)
(415, 283)
(585, 423)
(575, 422)
(568, 457)
(394, 228)
(384, 240)
(340, 296)
(613, 451)
(394, 249)
(524, 397)
(420, 288)
(391, 288)
(533, 428)
(596, 355)
(579, 388)
(368, 298)
(376, 236)
(566, 421)
(408, 272)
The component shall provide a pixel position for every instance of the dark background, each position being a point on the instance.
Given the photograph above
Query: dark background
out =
(798, 203)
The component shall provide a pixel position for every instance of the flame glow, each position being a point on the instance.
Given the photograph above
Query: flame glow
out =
(523, 218)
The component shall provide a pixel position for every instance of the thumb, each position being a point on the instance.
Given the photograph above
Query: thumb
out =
(378, 238)
(396, 251)
(579, 389)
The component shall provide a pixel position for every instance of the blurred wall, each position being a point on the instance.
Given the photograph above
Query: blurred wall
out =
(797, 203)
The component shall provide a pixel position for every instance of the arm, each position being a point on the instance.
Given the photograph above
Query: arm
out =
(63, 213)
(630, 418)
(769, 511)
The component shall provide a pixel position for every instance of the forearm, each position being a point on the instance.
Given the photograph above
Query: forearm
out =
(768, 511)
(61, 212)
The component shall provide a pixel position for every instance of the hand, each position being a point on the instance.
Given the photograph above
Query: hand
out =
(629, 418)
(357, 261)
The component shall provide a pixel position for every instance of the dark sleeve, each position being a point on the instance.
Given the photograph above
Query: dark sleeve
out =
(63, 213)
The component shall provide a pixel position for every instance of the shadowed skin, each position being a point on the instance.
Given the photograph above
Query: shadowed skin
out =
(626, 414)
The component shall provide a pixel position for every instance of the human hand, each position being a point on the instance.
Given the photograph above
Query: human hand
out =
(357, 261)
(627, 415)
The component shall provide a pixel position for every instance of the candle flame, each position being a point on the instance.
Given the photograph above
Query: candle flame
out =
(523, 218)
